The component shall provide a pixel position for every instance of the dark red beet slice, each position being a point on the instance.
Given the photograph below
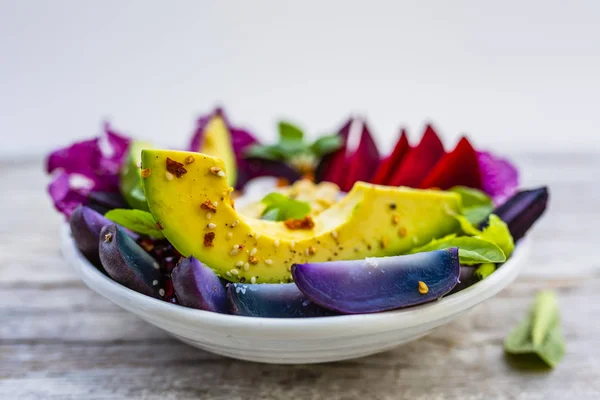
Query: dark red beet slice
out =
(460, 167)
(419, 161)
(384, 173)
(278, 300)
(362, 163)
(379, 284)
(331, 168)
(197, 286)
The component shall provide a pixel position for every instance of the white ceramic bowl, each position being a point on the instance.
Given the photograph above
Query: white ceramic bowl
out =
(293, 341)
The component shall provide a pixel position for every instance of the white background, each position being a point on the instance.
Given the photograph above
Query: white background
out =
(512, 74)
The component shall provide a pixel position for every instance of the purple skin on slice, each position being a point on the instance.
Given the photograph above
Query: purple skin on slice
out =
(521, 211)
(378, 284)
(127, 263)
(197, 286)
(282, 300)
(86, 225)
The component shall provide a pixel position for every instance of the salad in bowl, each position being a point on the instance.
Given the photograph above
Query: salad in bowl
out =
(294, 229)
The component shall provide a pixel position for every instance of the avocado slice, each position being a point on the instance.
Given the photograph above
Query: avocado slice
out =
(130, 177)
(216, 141)
(189, 197)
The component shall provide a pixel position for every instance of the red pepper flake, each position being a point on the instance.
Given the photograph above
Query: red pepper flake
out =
(189, 159)
(146, 172)
(304, 223)
(208, 239)
(176, 168)
(402, 232)
(159, 225)
(253, 259)
(282, 182)
(232, 202)
(208, 205)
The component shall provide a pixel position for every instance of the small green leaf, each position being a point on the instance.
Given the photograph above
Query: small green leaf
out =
(289, 132)
(263, 152)
(539, 334)
(326, 144)
(485, 270)
(136, 220)
(281, 208)
(470, 250)
(497, 232)
(476, 205)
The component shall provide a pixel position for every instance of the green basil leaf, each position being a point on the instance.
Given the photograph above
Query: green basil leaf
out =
(136, 220)
(281, 208)
(539, 334)
(326, 144)
(497, 232)
(476, 205)
(272, 153)
(485, 270)
(470, 250)
(289, 132)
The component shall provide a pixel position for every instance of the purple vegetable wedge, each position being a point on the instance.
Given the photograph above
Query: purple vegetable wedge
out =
(127, 263)
(106, 201)
(282, 300)
(499, 177)
(197, 286)
(86, 225)
(379, 284)
(522, 210)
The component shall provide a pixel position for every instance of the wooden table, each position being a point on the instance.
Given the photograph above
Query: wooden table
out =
(58, 339)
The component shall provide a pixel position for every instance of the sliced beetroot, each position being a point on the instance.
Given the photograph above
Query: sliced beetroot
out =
(460, 167)
(282, 300)
(197, 286)
(127, 263)
(384, 172)
(419, 161)
(522, 210)
(360, 164)
(86, 225)
(332, 166)
(379, 284)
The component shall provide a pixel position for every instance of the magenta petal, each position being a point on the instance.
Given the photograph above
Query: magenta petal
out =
(64, 197)
(499, 177)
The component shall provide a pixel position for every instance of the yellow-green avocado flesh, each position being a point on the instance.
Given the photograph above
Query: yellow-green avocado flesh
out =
(217, 142)
(370, 221)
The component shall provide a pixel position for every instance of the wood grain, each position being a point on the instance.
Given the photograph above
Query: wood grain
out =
(60, 340)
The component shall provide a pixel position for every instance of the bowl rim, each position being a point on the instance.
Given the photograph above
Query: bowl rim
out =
(343, 325)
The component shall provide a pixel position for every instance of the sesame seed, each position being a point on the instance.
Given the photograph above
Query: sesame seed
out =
(236, 246)
(268, 261)
(155, 265)
(253, 279)
(161, 292)
(189, 159)
(215, 203)
(139, 164)
(221, 174)
(169, 176)
(292, 244)
(257, 235)
(209, 215)
(253, 251)
(239, 263)
(234, 223)
(212, 226)
(154, 282)
(229, 235)
(234, 252)
(334, 234)
(276, 243)
(228, 273)
(246, 266)
(423, 289)
(234, 271)
(215, 170)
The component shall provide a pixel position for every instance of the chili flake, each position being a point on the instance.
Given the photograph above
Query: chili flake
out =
(304, 223)
(208, 239)
(423, 289)
(176, 168)
(146, 172)
(189, 159)
(253, 259)
(159, 225)
(208, 205)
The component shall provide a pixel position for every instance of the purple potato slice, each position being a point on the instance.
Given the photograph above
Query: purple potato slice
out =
(379, 284)
(86, 225)
(522, 210)
(467, 278)
(103, 202)
(127, 263)
(277, 300)
(197, 286)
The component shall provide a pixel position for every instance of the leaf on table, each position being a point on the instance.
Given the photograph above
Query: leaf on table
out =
(539, 334)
